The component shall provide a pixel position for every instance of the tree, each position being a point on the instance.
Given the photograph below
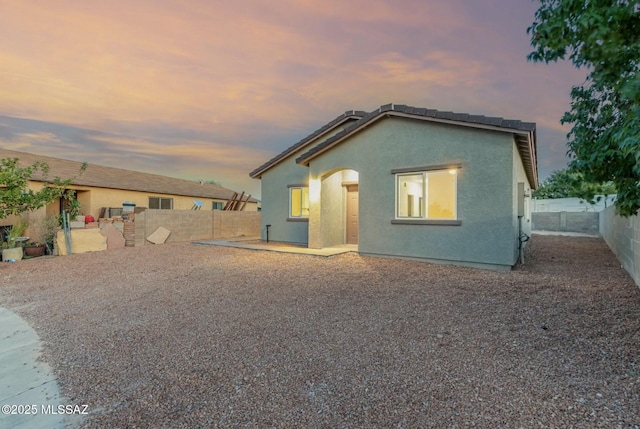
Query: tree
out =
(211, 182)
(15, 195)
(604, 37)
(558, 185)
(567, 184)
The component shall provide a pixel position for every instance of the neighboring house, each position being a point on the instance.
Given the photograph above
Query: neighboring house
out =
(406, 182)
(105, 187)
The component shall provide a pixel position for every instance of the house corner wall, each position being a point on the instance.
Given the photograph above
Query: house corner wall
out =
(485, 236)
(275, 199)
(520, 176)
(275, 204)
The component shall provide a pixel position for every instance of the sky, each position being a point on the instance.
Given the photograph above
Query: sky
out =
(210, 90)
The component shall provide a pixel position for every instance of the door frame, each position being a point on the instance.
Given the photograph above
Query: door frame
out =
(351, 187)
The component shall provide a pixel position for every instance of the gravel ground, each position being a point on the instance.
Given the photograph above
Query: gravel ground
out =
(181, 335)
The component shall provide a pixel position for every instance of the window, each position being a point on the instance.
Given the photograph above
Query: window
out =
(429, 195)
(217, 205)
(160, 203)
(299, 202)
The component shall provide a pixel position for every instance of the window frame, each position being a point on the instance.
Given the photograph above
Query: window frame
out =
(160, 200)
(424, 171)
(302, 217)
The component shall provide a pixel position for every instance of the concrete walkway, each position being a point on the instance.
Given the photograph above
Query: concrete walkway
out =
(255, 244)
(24, 380)
(564, 233)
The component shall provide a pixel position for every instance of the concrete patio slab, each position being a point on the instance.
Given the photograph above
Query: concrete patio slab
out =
(255, 244)
(564, 233)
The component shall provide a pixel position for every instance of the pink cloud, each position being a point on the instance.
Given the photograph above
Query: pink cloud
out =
(224, 67)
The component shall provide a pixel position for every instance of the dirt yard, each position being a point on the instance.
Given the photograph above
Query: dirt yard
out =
(183, 335)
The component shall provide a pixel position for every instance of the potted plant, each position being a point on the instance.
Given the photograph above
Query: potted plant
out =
(34, 249)
(44, 230)
(12, 247)
(17, 196)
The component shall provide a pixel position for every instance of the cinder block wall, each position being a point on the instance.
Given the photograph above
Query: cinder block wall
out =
(140, 228)
(228, 224)
(623, 238)
(185, 225)
(585, 222)
(192, 225)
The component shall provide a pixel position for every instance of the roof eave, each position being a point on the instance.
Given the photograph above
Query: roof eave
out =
(340, 120)
(528, 154)
(147, 190)
(306, 158)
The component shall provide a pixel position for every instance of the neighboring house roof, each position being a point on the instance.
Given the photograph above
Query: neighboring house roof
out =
(524, 133)
(347, 116)
(115, 178)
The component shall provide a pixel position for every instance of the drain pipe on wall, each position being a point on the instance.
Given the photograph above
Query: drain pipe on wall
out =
(522, 238)
(267, 226)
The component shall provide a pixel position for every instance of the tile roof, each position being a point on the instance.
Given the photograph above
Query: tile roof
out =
(345, 117)
(524, 132)
(116, 178)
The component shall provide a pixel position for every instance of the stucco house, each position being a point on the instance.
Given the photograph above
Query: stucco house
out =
(406, 182)
(106, 187)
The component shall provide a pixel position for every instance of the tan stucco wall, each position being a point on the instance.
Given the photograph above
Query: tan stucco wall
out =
(92, 199)
(31, 217)
(8, 221)
(95, 198)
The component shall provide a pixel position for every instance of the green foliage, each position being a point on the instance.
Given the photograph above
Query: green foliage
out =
(604, 37)
(558, 185)
(15, 195)
(71, 204)
(567, 184)
(211, 182)
(16, 230)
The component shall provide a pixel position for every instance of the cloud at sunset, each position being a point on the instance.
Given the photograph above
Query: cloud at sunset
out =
(212, 89)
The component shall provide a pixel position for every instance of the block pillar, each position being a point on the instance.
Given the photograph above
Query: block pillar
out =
(315, 218)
